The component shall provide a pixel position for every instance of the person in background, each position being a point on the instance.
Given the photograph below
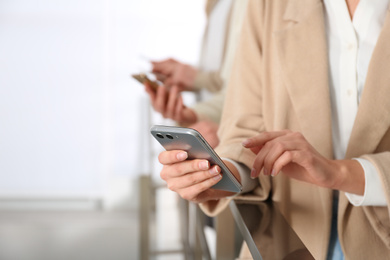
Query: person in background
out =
(307, 116)
(219, 44)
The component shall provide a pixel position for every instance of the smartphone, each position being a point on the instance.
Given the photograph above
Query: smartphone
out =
(149, 78)
(191, 141)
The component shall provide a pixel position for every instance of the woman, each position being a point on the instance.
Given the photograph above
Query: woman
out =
(310, 121)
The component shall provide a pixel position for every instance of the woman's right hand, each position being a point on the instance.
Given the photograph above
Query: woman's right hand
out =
(191, 179)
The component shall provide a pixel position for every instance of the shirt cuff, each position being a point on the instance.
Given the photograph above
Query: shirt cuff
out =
(373, 190)
(247, 183)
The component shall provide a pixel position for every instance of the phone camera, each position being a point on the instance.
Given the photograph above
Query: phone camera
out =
(160, 136)
(169, 136)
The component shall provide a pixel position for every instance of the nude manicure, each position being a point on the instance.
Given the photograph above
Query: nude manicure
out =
(253, 173)
(182, 156)
(204, 165)
(218, 177)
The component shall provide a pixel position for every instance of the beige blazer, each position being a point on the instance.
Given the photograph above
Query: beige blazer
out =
(279, 81)
(209, 80)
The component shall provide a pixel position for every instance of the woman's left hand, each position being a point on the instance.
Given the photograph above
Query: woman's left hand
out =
(291, 153)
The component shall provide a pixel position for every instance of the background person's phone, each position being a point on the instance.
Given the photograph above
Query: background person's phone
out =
(190, 140)
(149, 78)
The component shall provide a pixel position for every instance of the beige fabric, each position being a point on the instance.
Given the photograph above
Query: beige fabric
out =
(209, 6)
(210, 109)
(279, 81)
(210, 80)
(215, 81)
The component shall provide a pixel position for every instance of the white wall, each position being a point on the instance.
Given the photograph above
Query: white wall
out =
(71, 119)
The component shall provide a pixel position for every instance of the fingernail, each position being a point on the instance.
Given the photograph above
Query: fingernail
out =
(245, 142)
(215, 170)
(273, 173)
(265, 171)
(204, 165)
(182, 156)
(253, 173)
(218, 177)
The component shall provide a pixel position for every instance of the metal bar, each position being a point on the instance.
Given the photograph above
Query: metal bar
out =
(244, 231)
(201, 234)
(144, 214)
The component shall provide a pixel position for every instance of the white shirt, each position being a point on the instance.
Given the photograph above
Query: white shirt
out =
(350, 45)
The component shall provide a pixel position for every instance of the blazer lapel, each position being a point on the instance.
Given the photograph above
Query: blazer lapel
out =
(302, 52)
(373, 116)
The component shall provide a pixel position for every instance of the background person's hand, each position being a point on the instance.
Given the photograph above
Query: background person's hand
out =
(208, 129)
(169, 103)
(291, 153)
(172, 72)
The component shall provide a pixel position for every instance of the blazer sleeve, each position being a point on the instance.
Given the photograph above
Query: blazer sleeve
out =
(379, 217)
(242, 115)
(210, 109)
(381, 161)
(210, 80)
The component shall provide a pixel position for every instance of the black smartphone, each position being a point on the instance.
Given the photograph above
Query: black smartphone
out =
(191, 141)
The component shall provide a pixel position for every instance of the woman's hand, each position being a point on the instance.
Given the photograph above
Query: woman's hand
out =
(170, 104)
(291, 153)
(175, 73)
(208, 129)
(191, 179)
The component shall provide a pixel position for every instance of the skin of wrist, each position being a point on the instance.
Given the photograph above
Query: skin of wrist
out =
(350, 177)
(191, 118)
(233, 170)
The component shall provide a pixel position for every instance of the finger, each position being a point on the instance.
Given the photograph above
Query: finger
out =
(189, 115)
(179, 109)
(163, 67)
(189, 179)
(161, 100)
(193, 193)
(177, 78)
(169, 81)
(164, 62)
(150, 91)
(262, 138)
(256, 149)
(181, 168)
(170, 157)
(171, 102)
(258, 164)
(269, 153)
(158, 66)
(274, 150)
(159, 76)
(281, 162)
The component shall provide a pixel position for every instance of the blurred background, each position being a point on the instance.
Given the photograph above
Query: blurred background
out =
(74, 126)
